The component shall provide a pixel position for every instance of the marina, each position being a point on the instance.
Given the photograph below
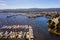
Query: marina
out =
(27, 33)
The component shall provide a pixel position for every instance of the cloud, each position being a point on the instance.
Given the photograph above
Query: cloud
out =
(2, 1)
(2, 4)
(2, 7)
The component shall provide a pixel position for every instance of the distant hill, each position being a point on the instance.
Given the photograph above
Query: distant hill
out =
(29, 10)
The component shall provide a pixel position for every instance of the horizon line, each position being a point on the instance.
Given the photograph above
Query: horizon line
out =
(27, 8)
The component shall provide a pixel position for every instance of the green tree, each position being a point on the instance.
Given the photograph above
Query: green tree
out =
(57, 15)
(59, 20)
(52, 26)
(49, 21)
(58, 27)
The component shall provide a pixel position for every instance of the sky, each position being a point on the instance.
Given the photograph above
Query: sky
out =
(16, 4)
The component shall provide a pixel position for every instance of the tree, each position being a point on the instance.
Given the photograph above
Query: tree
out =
(58, 27)
(49, 21)
(57, 15)
(59, 20)
(52, 26)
